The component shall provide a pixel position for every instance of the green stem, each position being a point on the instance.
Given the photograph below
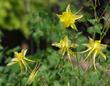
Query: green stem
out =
(105, 30)
(78, 67)
(59, 62)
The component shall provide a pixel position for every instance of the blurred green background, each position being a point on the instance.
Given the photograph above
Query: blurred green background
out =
(33, 24)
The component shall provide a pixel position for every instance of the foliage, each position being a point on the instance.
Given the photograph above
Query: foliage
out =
(41, 21)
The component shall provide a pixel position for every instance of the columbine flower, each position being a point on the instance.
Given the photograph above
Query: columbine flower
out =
(65, 46)
(21, 60)
(68, 18)
(33, 75)
(95, 48)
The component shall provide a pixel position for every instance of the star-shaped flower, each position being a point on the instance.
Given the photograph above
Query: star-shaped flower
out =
(95, 48)
(21, 60)
(68, 18)
(65, 46)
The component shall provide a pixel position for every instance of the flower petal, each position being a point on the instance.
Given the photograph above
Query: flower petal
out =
(56, 45)
(29, 59)
(103, 55)
(73, 26)
(23, 66)
(68, 8)
(11, 63)
(78, 16)
(14, 60)
(23, 51)
(94, 56)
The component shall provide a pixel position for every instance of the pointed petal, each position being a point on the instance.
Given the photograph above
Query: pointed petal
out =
(29, 60)
(11, 63)
(56, 44)
(73, 26)
(68, 8)
(15, 53)
(23, 66)
(103, 55)
(91, 40)
(23, 51)
(61, 17)
(78, 16)
(14, 60)
(94, 56)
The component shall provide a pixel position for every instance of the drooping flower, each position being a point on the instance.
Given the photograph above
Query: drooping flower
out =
(33, 75)
(95, 48)
(65, 46)
(21, 60)
(68, 18)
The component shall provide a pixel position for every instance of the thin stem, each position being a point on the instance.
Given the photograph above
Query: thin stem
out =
(78, 66)
(103, 11)
(105, 29)
(59, 62)
(95, 15)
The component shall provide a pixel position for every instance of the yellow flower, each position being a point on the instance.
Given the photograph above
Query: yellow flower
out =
(68, 18)
(33, 75)
(65, 46)
(21, 60)
(95, 48)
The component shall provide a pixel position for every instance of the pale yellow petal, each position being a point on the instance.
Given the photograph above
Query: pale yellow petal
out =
(68, 8)
(73, 26)
(61, 17)
(23, 66)
(15, 53)
(23, 51)
(56, 45)
(103, 55)
(29, 59)
(78, 16)
(14, 60)
(94, 57)
(90, 39)
(11, 63)
(66, 40)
